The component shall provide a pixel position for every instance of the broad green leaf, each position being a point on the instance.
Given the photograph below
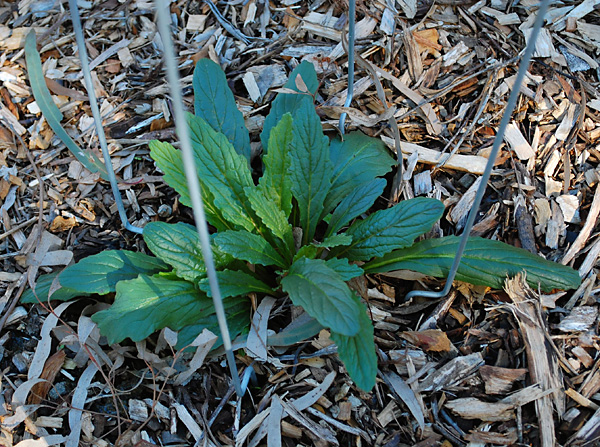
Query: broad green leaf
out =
(149, 303)
(484, 262)
(214, 102)
(51, 112)
(357, 161)
(386, 230)
(358, 353)
(179, 246)
(235, 283)
(311, 169)
(343, 268)
(100, 273)
(271, 216)
(223, 171)
(249, 247)
(354, 204)
(42, 289)
(289, 102)
(168, 159)
(238, 320)
(275, 181)
(312, 284)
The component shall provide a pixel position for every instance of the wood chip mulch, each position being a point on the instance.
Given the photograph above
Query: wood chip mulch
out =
(479, 367)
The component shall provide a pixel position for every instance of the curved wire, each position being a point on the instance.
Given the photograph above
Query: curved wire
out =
(89, 86)
(512, 101)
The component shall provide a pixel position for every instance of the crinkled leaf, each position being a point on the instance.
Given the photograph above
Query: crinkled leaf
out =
(311, 169)
(321, 291)
(214, 102)
(238, 321)
(354, 204)
(51, 112)
(235, 283)
(42, 289)
(484, 262)
(100, 273)
(386, 230)
(271, 216)
(289, 102)
(168, 159)
(357, 161)
(336, 240)
(343, 268)
(149, 303)
(223, 171)
(249, 247)
(276, 182)
(358, 353)
(179, 246)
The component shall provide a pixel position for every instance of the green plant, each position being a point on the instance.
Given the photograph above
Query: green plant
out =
(297, 231)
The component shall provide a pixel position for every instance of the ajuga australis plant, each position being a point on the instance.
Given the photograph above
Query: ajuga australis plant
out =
(298, 231)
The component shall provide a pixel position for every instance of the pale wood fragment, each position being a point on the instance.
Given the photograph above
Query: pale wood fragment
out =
(452, 372)
(467, 163)
(517, 142)
(585, 232)
(459, 213)
(580, 319)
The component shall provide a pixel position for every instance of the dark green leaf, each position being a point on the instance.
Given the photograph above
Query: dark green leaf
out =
(358, 353)
(214, 102)
(484, 262)
(100, 273)
(300, 329)
(235, 283)
(312, 284)
(275, 181)
(354, 204)
(51, 112)
(343, 268)
(357, 161)
(223, 171)
(386, 230)
(149, 303)
(238, 320)
(311, 169)
(271, 216)
(289, 102)
(168, 159)
(179, 246)
(42, 289)
(249, 247)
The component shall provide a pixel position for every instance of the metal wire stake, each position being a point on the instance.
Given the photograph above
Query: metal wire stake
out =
(351, 36)
(89, 86)
(506, 117)
(189, 164)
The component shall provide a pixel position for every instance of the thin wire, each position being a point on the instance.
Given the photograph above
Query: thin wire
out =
(87, 77)
(512, 102)
(351, 37)
(189, 164)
